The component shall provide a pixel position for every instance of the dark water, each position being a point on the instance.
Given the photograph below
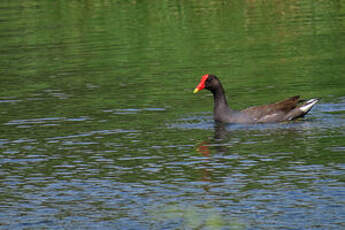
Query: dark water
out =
(99, 128)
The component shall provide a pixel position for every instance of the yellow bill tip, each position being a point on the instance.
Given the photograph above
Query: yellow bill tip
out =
(196, 90)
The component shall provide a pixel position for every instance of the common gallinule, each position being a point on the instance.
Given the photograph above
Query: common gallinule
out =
(286, 110)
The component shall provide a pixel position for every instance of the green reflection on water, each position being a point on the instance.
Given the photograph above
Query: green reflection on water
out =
(195, 218)
(116, 76)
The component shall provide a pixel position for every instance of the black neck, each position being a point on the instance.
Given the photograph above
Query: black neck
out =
(219, 97)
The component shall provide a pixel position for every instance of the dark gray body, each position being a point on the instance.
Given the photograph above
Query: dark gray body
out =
(285, 110)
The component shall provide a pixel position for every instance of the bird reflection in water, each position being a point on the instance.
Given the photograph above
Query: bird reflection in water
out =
(203, 148)
(220, 134)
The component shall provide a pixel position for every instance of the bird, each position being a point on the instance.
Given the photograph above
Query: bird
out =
(285, 110)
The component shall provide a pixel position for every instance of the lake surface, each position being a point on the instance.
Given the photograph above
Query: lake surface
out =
(99, 128)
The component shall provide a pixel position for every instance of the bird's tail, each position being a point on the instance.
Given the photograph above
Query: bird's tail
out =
(308, 105)
(302, 109)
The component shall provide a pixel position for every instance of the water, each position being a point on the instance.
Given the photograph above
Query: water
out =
(99, 128)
